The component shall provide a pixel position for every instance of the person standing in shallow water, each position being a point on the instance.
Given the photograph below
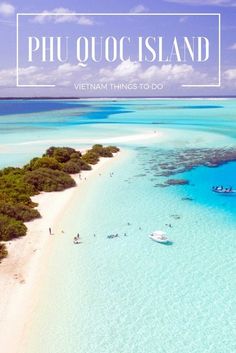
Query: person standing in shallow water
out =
(50, 231)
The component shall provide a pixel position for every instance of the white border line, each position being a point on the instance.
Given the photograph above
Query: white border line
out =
(118, 14)
(219, 38)
(17, 50)
(219, 59)
(17, 58)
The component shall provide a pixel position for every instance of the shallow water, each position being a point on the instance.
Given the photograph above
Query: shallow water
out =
(130, 294)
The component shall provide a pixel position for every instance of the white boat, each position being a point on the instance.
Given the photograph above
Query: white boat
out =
(225, 191)
(159, 236)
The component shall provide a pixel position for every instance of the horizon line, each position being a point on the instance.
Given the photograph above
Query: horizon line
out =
(115, 97)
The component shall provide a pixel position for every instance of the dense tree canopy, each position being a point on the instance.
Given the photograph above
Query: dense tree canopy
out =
(11, 228)
(45, 179)
(91, 157)
(61, 154)
(43, 162)
(48, 173)
(19, 211)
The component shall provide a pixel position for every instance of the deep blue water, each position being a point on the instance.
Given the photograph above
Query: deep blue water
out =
(10, 107)
(200, 189)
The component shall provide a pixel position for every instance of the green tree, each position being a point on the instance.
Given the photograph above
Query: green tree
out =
(90, 157)
(19, 211)
(71, 167)
(11, 228)
(3, 251)
(61, 154)
(44, 162)
(51, 172)
(44, 179)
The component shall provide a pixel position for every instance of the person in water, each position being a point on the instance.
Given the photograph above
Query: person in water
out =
(217, 188)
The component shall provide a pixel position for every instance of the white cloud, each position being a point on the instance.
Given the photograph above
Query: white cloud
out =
(230, 74)
(130, 71)
(81, 20)
(85, 21)
(139, 9)
(66, 69)
(233, 46)
(62, 75)
(8, 76)
(6, 9)
(205, 2)
(168, 72)
(229, 78)
(127, 70)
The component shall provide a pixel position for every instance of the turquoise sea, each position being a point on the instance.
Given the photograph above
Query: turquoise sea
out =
(129, 294)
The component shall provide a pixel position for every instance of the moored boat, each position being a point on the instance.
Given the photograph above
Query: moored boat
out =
(223, 190)
(159, 236)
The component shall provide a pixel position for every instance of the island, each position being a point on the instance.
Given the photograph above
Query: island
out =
(50, 172)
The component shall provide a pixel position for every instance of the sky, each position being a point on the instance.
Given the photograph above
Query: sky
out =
(129, 76)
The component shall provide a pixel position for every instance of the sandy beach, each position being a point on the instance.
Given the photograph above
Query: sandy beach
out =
(22, 271)
(152, 134)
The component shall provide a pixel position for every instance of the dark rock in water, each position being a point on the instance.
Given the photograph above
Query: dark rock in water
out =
(165, 166)
(167, 173)
(187, 199)
(175, 216)
(177, 182)
(171, 162)
(160, 186)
